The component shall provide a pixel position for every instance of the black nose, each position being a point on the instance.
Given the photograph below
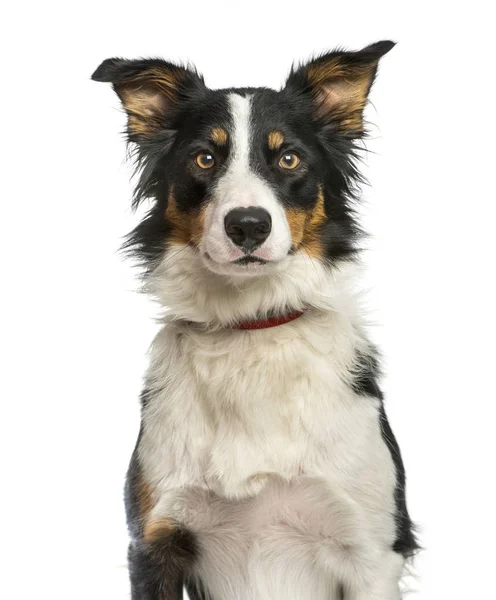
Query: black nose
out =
(248, 227)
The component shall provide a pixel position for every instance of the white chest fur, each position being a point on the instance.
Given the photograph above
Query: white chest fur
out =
(258, 435)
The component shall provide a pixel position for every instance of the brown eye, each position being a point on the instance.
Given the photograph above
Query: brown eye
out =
(289, 161)
(205, 160)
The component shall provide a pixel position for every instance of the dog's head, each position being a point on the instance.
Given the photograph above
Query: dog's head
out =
(248, 185)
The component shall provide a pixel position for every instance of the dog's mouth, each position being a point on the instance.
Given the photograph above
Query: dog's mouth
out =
(246, 260)
(242, 262)
(243, 266)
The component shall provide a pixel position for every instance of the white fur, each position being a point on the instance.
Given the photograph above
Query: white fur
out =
(181, 283)
(240, 187)
(256, 442)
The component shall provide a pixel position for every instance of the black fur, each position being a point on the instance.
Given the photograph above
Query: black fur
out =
(406, 542)
(366, 383)
(157, 570)
(197, 592)
(131, 495)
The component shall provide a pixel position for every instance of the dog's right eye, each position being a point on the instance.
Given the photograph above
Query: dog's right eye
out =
(289, 161)
(205, 160)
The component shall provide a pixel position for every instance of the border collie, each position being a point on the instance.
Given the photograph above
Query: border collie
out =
(265, 467)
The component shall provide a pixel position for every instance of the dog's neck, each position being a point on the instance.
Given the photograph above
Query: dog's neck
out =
(190, 293)
(269, 321)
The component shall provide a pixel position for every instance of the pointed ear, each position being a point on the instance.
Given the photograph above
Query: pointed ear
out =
(339, 83)
(150, 90)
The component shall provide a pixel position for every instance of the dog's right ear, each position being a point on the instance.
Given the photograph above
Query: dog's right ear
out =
(150, 90)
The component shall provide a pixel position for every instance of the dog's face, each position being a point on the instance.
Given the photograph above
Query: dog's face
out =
(247, 179)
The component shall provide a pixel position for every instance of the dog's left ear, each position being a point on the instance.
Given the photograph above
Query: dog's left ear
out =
(151, 91)
(339, 83)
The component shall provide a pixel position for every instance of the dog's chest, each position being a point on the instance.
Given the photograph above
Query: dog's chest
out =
(275, 407)
(258, 444)
(233, 408)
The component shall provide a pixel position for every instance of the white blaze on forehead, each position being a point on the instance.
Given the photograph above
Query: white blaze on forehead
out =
(240, 113)
(240, 187)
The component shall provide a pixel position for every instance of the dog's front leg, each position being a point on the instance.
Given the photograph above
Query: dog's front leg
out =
(382, 583)
(159, 564)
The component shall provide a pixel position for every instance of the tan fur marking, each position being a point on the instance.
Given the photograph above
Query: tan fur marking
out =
(187, 228)
(154, 80)
(145, 498)
(305, 226)
(218, 136)
(143, 492)
(275, 140)
(144, 102)
(151, 529)
(296, 218)
(312, 243)
(145, 98)
(341, 90)
(157, 529)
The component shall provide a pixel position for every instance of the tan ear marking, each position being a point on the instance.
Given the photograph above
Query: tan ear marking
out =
(340, 89)
(342, 92)
(144, 102)
(218, 136)
(145, 98)
(275, 140)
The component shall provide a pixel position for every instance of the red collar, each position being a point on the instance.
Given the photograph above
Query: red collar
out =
(269, 322)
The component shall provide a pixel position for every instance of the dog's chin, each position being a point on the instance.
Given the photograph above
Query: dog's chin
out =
(247, 266)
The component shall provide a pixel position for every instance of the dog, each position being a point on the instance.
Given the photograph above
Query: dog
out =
(265, 467)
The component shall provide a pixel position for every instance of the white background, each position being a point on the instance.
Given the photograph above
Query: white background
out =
(74, 333)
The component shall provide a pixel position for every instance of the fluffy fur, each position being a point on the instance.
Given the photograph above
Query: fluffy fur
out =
(265, 466)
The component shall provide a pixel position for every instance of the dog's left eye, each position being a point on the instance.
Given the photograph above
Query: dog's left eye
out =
(205, 160)
(289, 160)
